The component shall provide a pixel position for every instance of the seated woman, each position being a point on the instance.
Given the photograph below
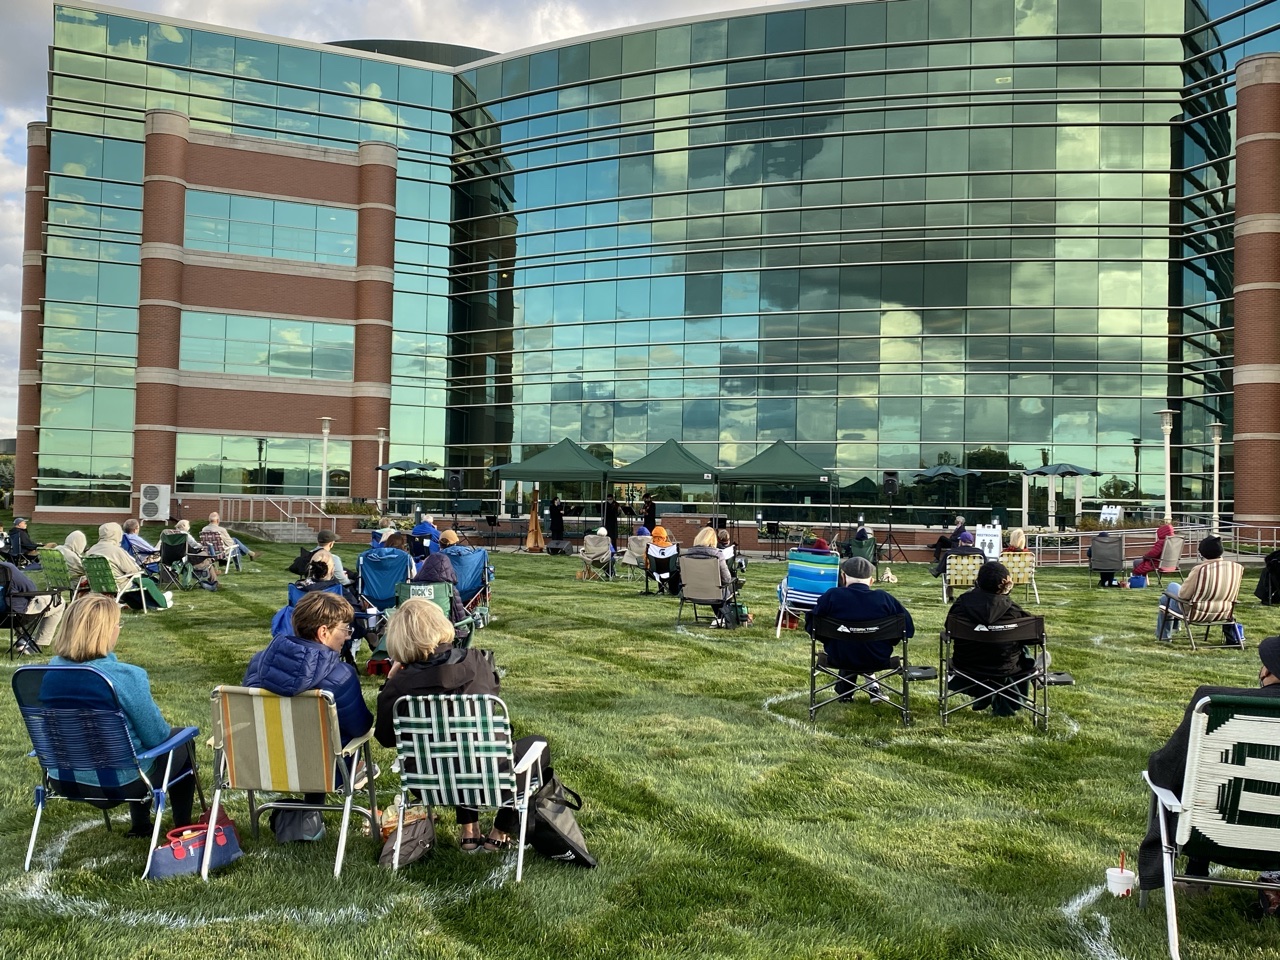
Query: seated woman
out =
(420, 642)
(1017, 541)
(704, 545)
(661, 538)
(320, 577)
(123, 568)
(819, 545)
(995, 663)
(438, 568)
(864, 533)
(90, 631)
(944, 542)
(72, 549)
(1151, 559)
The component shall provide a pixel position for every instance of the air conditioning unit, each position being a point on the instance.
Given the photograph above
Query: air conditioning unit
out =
(154, 501)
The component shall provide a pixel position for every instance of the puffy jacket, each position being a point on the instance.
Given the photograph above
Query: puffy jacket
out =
(291, 665)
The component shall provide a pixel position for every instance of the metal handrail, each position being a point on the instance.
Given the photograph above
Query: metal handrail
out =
(1069, 547)
(255, 508)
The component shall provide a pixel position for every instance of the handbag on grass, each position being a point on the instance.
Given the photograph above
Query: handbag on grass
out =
(554, 831)
(418, 839)
(184, 852)
(292, 826)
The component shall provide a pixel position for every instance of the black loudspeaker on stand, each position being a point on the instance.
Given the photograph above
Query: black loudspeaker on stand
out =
(559, 548)
(891, 542)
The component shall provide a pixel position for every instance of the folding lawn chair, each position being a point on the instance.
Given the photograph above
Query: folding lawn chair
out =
(1227, 813)
(1028, 687)
(700, 587)
(475, 576)
(81, 739)
(890, 679)
(631, 559)
(867, 549)
(1022, 571)
(441, 594)
(1214, 605)
(809, 576)
(1106, 555)
(661, 565)
(56, 574)
(262, 742)
(596, 554)
(962, 571)
(378, 571)
(175, 566)
(102, 579)
(1170, 559)
(456, 750)
(220, 552)
(20, 624)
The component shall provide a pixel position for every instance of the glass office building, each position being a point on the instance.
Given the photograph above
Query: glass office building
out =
(895, 233)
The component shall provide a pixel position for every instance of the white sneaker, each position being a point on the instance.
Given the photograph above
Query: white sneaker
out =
(876, 696)
(168, 598)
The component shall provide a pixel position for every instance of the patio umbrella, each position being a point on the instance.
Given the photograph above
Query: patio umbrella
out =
(1056, 470)
(405, 466)
(944, 473)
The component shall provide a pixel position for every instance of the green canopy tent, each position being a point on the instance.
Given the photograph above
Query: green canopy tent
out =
(565, 461)
(781, 465)
(670, 463)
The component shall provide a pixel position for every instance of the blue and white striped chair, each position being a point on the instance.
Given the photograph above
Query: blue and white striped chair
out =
(809, 576)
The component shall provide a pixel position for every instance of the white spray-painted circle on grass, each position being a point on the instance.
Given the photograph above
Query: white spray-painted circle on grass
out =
(36, 889)
(1095, 937)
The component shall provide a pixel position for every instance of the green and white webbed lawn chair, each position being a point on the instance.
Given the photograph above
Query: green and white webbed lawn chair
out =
(1229, 812)
(102, 579)
(57, 576)
(457, 750)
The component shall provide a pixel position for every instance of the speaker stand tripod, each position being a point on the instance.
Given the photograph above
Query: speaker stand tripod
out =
(890, 541)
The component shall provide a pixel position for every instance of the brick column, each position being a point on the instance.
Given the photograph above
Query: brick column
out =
(1257, 290)
(164, 195)
(24, 463)
(375, 272)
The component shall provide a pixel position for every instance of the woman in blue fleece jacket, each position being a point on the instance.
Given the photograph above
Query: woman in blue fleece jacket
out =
(311, 659)
(88, 637)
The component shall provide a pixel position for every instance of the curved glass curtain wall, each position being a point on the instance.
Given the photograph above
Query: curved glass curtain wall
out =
(896, 234)
(107, 70)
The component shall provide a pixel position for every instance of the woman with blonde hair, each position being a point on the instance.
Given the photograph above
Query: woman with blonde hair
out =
(705, 544)
(1017, 541)
(420, 641)
(90, 631)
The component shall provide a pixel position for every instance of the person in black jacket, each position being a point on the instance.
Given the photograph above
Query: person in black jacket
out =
(611, 519)
(22, 549)
(994, 662)
(557, 518)
(420, 642)
(650, 511)
(1168, 765)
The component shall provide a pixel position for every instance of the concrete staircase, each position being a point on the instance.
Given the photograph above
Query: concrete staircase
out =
(289, 531)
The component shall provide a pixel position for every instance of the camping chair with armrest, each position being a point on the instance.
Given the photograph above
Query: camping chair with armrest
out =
(441, 594)
(102, 579)
(141, 557)
(700, 587)
(1170, 559)
(867, 549)
(282, 621)
(962, 572)
(661, 565)
(596, 554)
(219, 551)
(81, 739)
(457, 750)
(378, 574)
(1022, 571)
(20, 624)
(892, 678)
(1227, 813)
(57, 576)
(1028, 687)
(1106, 555)
(475, 576)
(809, 576)
(1213, 605)
(264, 742)
(175, 565)
(632, 557)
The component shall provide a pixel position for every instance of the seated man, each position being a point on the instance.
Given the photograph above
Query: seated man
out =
(1210, 581)
(854, 601)
(384, 529)
(325, 540)
(944, 542)
(426, 536)
(599, 549)
(123, 568)
(47, 609)
(992, 662)
(311, 659)
(229, 543)
(23, 551)
(145, 553)
(1168, 765)
(206, 570)
(963, 548)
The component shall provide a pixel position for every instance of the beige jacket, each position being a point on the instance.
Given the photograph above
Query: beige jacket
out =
(122, 564)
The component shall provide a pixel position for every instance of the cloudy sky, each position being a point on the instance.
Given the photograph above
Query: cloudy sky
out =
(501, 25)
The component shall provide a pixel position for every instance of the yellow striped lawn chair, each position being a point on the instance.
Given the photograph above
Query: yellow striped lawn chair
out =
(286, 745)
(962, 571)
(1022, 570)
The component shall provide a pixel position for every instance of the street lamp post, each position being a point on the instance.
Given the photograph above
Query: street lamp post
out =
(1137, 465)
(1166, 428)
(1216, 430)
(382, 439)
(324, 459)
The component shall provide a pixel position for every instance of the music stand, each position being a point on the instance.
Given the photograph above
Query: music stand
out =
(890, 541)
(574, 512)
(774, 535)
(492, 520)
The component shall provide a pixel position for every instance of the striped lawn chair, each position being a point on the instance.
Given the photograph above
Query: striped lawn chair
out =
(219, 551)
(809, 576)
(962, 571)
(456, 750)
(286, 745)
(1228, 812)
(1022, 570)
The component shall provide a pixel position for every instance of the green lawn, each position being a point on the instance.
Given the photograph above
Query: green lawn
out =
(724, 823)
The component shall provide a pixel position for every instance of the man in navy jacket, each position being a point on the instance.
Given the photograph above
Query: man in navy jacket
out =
(854, 601)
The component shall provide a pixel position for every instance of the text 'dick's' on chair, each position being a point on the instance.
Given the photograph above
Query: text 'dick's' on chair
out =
(264, 742)
(1170, 559)
(596, 554)
(441, 594)
(700, 587)
(961, 573)
(81, 739)
(963, 674)
(1228, 813)
(1211, 602)
(1021, 565)
(457, 750)
(878, 672)
(809, 576)
(102, 579)
(632, 558)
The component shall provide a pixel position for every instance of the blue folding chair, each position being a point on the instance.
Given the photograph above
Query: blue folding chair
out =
(809, 576)
(471, 566)
(378, 570)
(282, 622)
(81, 740)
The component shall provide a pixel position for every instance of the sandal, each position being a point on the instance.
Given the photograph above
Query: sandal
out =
(494, 845)
(471, 844)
